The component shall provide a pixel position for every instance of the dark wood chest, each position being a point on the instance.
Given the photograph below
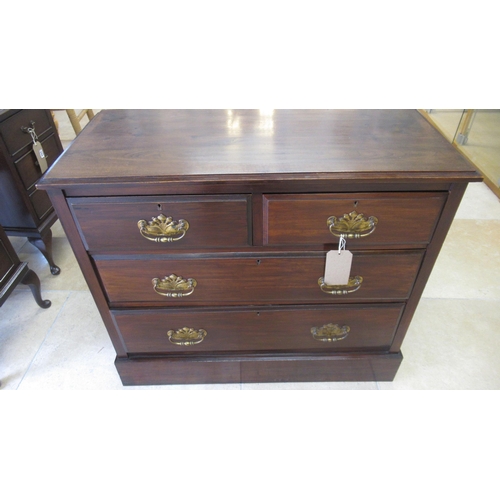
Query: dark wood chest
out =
(203, 237)
(24, 209)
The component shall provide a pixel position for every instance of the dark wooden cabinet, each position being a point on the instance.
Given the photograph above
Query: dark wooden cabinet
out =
(13, 272)
(203, 237)
(24, 209)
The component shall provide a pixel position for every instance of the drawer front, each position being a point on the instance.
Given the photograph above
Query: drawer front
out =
(41, 203)
(112, 224)
(27, 166)
(259, 279)
(303, 219)
(323, 329)
(10, 130)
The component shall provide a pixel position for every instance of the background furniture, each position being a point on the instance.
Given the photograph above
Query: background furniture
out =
(465, 126)
(203, 234)
(75, 119)
(13, 272)
(25, 210)
(474, 132)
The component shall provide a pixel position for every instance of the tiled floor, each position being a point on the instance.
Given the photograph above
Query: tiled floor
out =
(452, 343)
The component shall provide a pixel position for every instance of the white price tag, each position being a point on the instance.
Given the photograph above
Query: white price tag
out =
(40, 156)
(338, 267)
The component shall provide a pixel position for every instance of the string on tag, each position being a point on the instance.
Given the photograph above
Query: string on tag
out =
(32, 132)
(341, 243)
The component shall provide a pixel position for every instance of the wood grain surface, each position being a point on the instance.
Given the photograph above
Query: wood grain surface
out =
(159, 144)
(260, 330)
(261, 279)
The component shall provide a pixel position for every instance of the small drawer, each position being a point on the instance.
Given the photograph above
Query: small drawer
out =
(10, 130)
(306, 329)
(259, 279)
(41, 203)
(369, 220)
(27, 166)
(168, 223)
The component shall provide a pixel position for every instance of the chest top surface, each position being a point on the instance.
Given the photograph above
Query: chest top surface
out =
(138, 145)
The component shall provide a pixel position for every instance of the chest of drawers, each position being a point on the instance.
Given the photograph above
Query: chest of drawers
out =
(24, 209)
(203, 236)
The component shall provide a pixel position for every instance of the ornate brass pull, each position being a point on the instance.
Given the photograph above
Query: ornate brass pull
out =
(353, 285)
(163, 229)
(330, 333)
(174, 286)
(186, 336)
(352, 225)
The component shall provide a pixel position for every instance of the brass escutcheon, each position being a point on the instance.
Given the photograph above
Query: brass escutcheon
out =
(186, 336)
(330, 333)
(352, 225)
(163, 229)
(174, 286)
(352, 285)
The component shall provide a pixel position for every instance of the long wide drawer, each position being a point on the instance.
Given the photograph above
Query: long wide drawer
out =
(168, 222)
(331, 328)
(256, 279)
(369, 219)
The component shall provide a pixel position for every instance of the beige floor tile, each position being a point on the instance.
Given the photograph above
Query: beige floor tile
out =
(23, 327)
(70, 277)
(451, 344)
(17, 242)
(469, 263)
(77, 353)
(57, 230)
(479, 203)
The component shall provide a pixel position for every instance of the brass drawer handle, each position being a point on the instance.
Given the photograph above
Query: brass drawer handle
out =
(330, 333)
(174, 286)
(163, 229)
(186, 336)
(352, 225)
(353, 285)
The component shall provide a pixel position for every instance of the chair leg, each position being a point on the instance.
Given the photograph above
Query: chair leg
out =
(74, 121)
(56, 123)
(90, 114)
